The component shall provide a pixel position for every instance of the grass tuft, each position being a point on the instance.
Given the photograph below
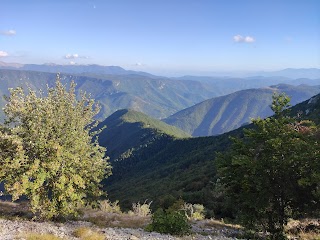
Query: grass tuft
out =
(38, 236)
(85, 233)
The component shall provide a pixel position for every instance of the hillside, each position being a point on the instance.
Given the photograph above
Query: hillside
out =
(178, 168)
(223, 114)
(129, 130)
(116, 88)
(167, 170)
(309, 109)
(158, 98)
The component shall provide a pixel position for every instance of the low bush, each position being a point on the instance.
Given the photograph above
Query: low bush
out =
(169, 221)
(194, 211)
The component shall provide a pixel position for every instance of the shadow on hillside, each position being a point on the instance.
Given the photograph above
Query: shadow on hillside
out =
(12, 210)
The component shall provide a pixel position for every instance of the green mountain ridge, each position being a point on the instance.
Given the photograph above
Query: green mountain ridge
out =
(180, 168)
(222, 114)
(158, 98)
(128, 130)
(117, 88)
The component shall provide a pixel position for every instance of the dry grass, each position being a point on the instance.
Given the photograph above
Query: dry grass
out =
(85, 233)
(308, 229)
(141, 210)
(110, 207)
(103, 219)
(218, 224)
(309, 236)
(37, 236)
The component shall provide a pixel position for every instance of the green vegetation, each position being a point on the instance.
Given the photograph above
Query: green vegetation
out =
(273, 173)
(47, 153)
(309, 109)
(169, 169)
(169, 221)
(127, 131)
(194, 211)
(172, 168)
(222, 114)
(158, 98)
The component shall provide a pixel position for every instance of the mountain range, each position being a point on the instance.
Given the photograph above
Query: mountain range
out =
(180, 168)
(222, 114)
(73, 69)
(158, 97)
(152, 160)
(292, 73)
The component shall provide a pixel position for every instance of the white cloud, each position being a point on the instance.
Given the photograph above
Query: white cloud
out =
(239, 39)
(249, 39)
(72, 63)
(9, 33)
(74, 56)
(71, 56)
(3, 54)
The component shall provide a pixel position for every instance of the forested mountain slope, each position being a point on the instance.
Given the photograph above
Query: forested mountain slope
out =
(156, 97)
(116, 88)
(179, 168)
(128, 130)
(225, 113)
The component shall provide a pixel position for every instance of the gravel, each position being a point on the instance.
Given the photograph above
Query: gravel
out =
(17, 229)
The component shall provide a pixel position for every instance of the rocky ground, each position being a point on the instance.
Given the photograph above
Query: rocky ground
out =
(18, 229)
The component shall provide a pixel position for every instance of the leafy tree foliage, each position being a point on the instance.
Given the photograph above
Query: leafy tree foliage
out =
(46, 150)
(169, 221)
(273, 173)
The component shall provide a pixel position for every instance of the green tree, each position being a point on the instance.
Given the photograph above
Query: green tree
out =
(273, 172)
(47, 153)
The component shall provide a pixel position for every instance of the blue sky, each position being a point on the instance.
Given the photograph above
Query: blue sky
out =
(163, 36)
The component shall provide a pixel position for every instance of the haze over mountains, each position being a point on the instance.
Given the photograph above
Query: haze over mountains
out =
(158, 98)
(293, 73)
(160, 160)
(198, 105)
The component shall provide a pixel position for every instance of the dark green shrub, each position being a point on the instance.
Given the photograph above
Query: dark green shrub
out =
(169, 221)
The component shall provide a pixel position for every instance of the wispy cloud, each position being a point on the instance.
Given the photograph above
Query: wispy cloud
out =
(71, 56)
(138, 64)
(74, 56)
(241, 39)
(3, 54)
(9, 33)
